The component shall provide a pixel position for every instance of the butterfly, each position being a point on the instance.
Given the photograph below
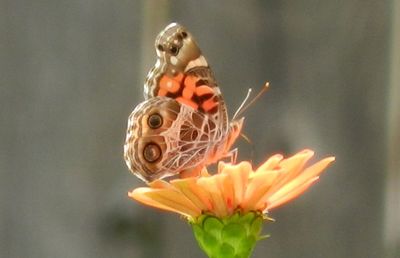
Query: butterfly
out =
(182, 125)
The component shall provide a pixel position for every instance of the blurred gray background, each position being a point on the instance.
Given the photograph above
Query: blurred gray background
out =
(72, 71)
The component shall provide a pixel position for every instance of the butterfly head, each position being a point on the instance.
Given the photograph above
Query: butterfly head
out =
(176, 47)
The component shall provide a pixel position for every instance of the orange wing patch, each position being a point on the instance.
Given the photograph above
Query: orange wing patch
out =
(203, 90)
(189, 87)
(187, 92)
(188, 102)
(209, 104)
(168, 84)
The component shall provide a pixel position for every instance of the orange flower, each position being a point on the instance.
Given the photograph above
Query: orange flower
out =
(235, 187)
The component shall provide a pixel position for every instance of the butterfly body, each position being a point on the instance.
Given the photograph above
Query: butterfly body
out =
(183, 122)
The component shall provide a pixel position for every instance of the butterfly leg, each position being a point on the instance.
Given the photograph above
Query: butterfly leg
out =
(233, 155)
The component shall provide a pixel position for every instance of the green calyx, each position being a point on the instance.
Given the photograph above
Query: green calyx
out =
(230, 237)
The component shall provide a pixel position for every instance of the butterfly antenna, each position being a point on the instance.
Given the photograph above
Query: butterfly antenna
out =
(243, 107)
(238, 111)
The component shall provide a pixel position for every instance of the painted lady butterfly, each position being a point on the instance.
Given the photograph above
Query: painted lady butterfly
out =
(183, 123)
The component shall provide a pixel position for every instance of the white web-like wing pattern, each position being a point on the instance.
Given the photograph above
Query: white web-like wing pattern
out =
(189, 144)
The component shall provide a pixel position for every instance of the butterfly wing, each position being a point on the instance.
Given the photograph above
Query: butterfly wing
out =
(165, 137)
(182, 73)
(183, 122)
(177, 52)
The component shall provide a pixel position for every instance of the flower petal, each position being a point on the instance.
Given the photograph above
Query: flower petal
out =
(291, 195)
(159, 184)
(308, 173)
(295, 164)
(166, 199)
(239, 175)
(227, 191)
(215, 195)
(271, 163)
(193, 192)
(260, 183)
(292, 167)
